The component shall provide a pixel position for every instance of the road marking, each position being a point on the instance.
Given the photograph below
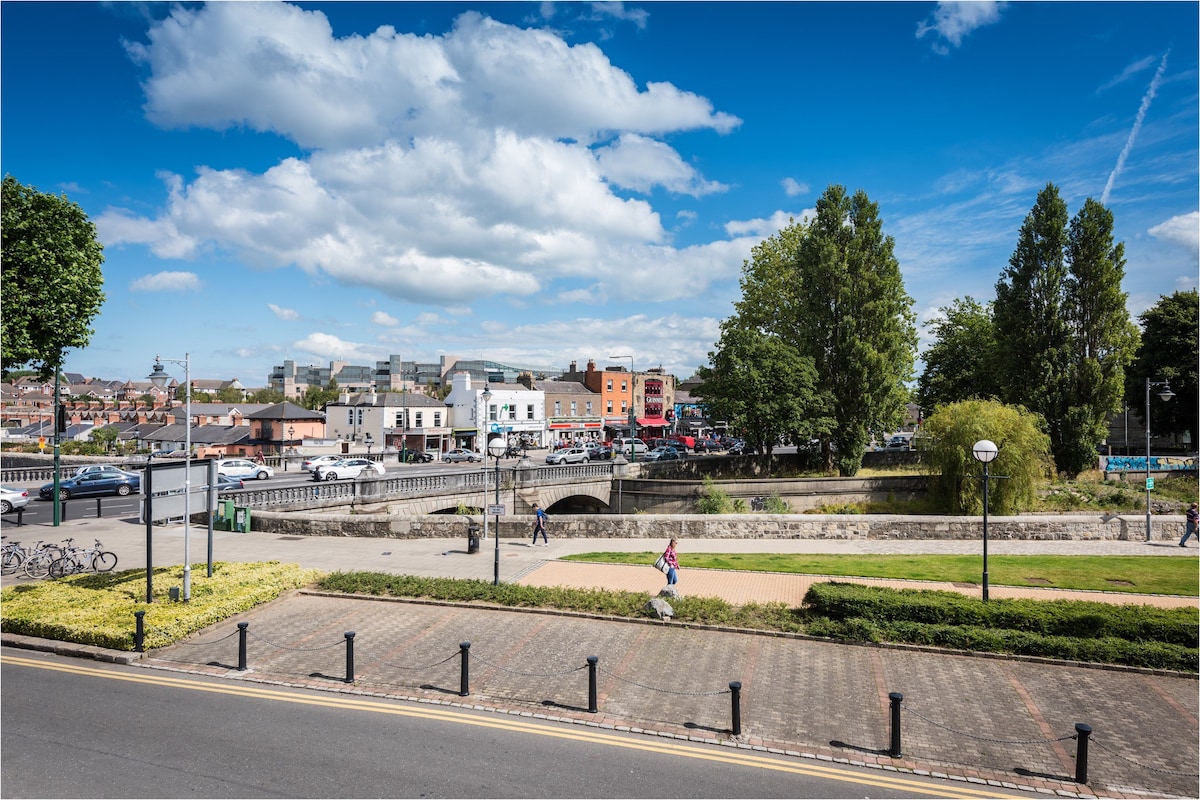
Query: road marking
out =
(461, 716)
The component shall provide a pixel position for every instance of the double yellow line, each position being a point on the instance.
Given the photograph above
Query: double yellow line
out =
(573, 733)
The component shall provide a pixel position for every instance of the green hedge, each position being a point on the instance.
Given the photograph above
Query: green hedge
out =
(1075, 619)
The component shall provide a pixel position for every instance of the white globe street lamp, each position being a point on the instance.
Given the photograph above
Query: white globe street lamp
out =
(985, 452)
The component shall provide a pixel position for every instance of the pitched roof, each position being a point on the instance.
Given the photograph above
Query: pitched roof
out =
(285, 410)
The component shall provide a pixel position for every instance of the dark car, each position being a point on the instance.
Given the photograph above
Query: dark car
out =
(94, 484)
(599, 452)
(738, 448)
(708, 446)
(419, 457)
(228, 484)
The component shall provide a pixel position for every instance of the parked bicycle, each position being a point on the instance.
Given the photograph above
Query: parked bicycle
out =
(38, 559)
(78, 559)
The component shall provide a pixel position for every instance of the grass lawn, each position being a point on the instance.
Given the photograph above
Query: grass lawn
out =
(1139, 574)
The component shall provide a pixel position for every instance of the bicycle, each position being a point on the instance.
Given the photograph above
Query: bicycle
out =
(78, 559)
(38, 560)
(14, 557)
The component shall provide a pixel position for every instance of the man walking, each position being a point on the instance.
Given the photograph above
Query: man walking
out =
(1193, 517)
(539, 526)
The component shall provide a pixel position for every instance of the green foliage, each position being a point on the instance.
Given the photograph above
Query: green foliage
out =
(776, 505)
(713, 499)
(959, 364)
(50, 269)
(1169, 351)
(97, 609)
(956, 483)
(271, 396)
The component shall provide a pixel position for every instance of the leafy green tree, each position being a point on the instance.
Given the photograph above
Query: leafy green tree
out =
(1102, 337)
(959, 364)
(267, 396)
(106, 437)
(51, 275)
(956, 477)
(1170, 351)
(315, 399)
(760, 385)
(228, 394)
(855, 321)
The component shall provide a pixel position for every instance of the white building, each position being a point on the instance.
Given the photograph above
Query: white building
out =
(512, 412)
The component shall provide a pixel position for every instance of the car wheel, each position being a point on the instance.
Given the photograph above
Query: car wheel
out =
(123, 490)
(331, 476)
(64, 494)
(262, 476)
(5, 506)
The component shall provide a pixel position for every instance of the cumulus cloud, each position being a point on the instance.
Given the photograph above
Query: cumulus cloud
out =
(385, 319)
(490, 156)
(167, 282)
(952, 21)
(793, 187)
(283, 313)
(327, 347)
(1183, 230)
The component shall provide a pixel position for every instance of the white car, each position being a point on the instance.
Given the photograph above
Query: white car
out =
(112, 468)
(573, 455)
(313, 462)
(12, 498)
(243, 468)
(348, 468)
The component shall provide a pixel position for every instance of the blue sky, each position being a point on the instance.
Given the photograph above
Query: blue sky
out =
(544, 183)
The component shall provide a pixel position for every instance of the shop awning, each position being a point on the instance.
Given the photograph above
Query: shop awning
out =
(653, 422)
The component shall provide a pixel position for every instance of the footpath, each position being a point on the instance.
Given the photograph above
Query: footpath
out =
(994, 721)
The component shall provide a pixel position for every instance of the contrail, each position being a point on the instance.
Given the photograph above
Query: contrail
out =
(1137, 126)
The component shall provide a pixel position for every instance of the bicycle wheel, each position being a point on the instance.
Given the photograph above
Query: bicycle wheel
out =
(37, 566)
(104, 561)
(12, 561)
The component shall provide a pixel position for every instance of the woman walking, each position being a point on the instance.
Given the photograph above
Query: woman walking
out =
(672, 562)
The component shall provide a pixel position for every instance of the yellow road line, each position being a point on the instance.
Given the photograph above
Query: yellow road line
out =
(461, 716)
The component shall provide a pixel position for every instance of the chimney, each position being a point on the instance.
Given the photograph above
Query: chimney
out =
(526, 378)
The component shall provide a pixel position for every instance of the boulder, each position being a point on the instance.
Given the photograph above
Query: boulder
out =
(670, 591)
(660, 608)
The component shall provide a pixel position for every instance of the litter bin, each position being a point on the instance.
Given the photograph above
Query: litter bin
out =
(472, 538)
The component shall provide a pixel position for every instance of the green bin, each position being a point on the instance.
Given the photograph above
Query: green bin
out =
(241, 519)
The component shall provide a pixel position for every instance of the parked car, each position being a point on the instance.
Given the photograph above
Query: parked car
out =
(243, 468)
(572, 455)
(93, 484)
(12, 498)
(228, 484)
(461, 454)
(628, 446)
(90, 468)
(312, 462)
(599, 452)
(897, 443)
(663, 454)
(708, 446)
(419, 457)
(348, 468)
(737, 448)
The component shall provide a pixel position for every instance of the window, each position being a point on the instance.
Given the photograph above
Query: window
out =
(492, 413)
(588, 408)
(624, 406)
(349, 416)
(360, 416)
(512, 410)
(419, 416)
(558, 408)
(574, 409)
(437, 419)
(624, 386)
(610, 384)
(529, 411)
(608, 408)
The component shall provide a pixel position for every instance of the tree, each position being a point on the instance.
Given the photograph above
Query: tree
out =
(105, 436)
(229, 394)
(855, 321)
(959, 364)
(315, 399)
(955, 476)
(1170, 351)
(759, 384)
(1102, 337)
(51, 276)
(270, 396)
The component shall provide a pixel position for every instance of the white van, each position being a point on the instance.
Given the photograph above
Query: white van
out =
(627, 445)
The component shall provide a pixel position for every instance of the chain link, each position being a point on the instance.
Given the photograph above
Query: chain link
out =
(367, 655)
(528, 674)
(919, 715)
(295, 649)
(667, 691)
(1140, 765)
(197, 644)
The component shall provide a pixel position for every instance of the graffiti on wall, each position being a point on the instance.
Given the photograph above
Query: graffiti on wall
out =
(1138, 463)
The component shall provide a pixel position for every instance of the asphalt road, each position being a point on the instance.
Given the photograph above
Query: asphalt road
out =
(86, 729)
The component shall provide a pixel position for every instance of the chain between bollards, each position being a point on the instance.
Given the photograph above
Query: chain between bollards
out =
(894, 749)
(464, 673)
(1081, 754)
(735, 688)
(242, 628)
(349, 656)
(593, 706)
(139, 634)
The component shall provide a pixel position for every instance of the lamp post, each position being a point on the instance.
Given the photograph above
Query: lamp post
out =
(632, 415)
(369, 441)
(57, 432)
(985, 452)
(1165, 395)
(485, 398)
(159, 378)
(291, 435)
(497, 448)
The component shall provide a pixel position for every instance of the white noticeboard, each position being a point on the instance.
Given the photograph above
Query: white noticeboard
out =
(168, 481)
(495, 511)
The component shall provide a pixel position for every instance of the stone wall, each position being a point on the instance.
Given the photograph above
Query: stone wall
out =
(731, 526)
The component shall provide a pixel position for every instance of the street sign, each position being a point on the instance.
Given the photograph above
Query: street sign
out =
(1149, 483)
(495, 511)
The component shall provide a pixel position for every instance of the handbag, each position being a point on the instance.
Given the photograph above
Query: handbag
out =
(661, 565)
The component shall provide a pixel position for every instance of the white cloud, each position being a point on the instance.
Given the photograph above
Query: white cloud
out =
(793, 188)
(385, 319)
(327, 347)
(638, 163)
(1183, 230)
(167, 282)
(1129, 71)
(759, 229)
(952, 21)
(283, 313)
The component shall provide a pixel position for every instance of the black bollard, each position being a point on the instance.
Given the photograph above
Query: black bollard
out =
(896, 698)
(349, 656)
(63, 509)
(242, 626)
(464, 672)
(593, 706)
(99, 513)
(139, 634)
(1082, 732)
(735, 687)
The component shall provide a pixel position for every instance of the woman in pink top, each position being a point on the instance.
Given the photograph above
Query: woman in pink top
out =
(672, 562)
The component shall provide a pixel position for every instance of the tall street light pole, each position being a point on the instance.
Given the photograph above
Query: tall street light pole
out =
(1165, 395)
(985, 453)
(497, 447)
(57, 419)
(159, 378)
(486, 399)
(632, 415)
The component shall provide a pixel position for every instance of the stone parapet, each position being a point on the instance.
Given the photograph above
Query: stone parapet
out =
(733, 526)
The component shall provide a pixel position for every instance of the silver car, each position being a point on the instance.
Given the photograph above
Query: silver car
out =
(12, 498)
(243, 468)
(461, 454)
(347, 468)
(573, 455)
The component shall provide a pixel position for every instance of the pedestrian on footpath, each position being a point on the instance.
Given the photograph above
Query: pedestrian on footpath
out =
(672, 562)
(1193, 517)
(539, 526)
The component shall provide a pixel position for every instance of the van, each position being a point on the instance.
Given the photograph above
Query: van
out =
(628, 445)
(680, 441)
